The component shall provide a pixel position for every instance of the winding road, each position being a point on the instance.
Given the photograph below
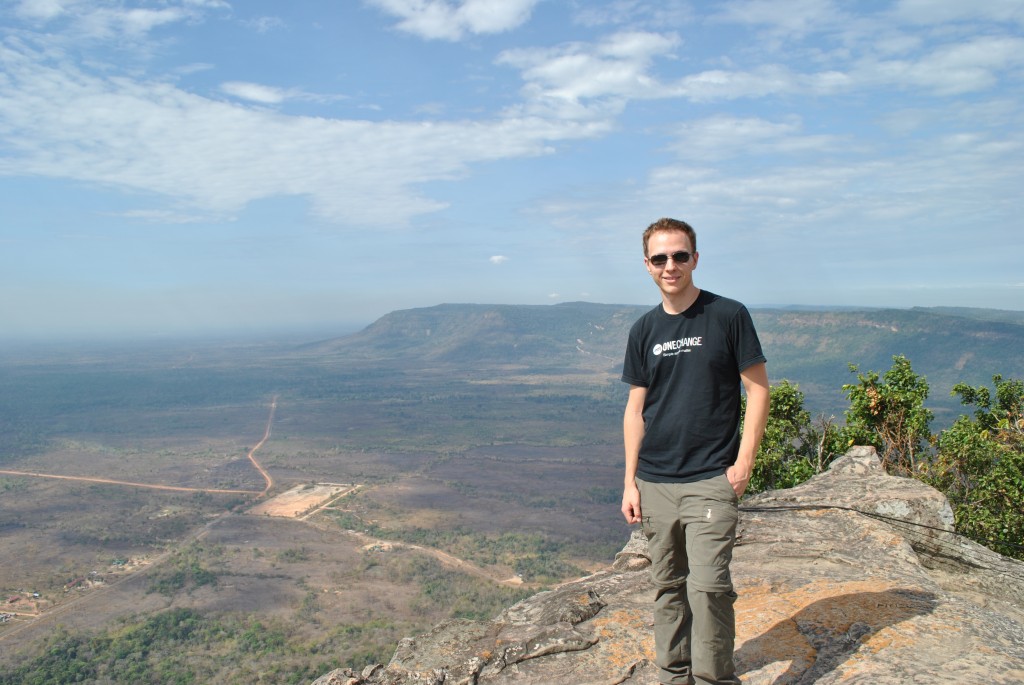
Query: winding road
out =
(252, 452)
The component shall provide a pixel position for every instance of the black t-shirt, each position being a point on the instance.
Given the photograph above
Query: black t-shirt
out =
(690, 364)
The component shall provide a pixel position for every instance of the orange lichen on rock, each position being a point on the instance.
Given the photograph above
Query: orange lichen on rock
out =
(625, 636)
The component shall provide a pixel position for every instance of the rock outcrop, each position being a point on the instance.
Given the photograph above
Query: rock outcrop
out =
(852, 577)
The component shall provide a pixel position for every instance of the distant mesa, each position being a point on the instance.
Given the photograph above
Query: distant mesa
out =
(806, 345)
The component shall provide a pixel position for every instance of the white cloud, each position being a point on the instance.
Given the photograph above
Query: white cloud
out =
(583, 79)
(102, 23)
(162, 216)
(60, 122)
(951, 69)
(709, 86)
(596, 80)
(728, 136)
(40, 9)
(498, 259)
(636, 13)
(791, 17)
(271, 95)
(763, 193)
(860, 51)
(137, 22)
(445, 20)
(98, 20)
(254, 92)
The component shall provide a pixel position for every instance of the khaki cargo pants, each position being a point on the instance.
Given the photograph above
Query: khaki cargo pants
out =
(691, 529)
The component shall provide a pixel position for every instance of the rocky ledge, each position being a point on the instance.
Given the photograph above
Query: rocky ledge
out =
(852, 577)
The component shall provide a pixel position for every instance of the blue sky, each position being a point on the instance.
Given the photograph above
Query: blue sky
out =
(203, 166)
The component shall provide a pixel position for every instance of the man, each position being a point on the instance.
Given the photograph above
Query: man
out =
(686, 465)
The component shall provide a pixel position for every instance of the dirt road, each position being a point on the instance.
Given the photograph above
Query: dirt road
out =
(252, 452)
(46, 617)
(449, 560)
(27, 629)
(153, 486)
(110, 481)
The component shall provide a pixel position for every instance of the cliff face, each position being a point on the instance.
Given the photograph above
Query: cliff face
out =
(852, 577)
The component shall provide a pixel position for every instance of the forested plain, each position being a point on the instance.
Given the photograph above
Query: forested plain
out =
(487, 433)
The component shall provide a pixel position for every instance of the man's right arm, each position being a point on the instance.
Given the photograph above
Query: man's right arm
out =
(633, 435)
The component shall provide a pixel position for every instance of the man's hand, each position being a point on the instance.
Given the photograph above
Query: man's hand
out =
(738, 475)
(631, 504)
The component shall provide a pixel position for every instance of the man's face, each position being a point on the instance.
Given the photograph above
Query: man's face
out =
(673, 278)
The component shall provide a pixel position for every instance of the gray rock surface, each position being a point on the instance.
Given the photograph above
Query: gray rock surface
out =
(852, 577)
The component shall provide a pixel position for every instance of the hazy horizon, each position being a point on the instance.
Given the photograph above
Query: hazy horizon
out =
(307, 333)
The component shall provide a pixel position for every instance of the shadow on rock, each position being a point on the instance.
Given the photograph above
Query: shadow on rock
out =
(824, 634)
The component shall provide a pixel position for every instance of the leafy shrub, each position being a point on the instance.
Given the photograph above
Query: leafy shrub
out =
(793, 448)
(980, 466)
(889, 413)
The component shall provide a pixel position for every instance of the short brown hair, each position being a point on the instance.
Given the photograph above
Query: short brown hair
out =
(670, 225)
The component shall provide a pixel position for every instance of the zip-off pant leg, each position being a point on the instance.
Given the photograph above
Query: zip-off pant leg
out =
(691, 529)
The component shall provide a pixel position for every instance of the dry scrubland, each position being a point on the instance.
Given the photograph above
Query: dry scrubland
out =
(428, 496)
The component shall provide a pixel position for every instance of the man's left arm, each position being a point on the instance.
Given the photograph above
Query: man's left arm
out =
(755, 383)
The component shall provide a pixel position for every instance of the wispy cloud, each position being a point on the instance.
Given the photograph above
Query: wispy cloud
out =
(62, 122)
(727, 136)
(790, 18)
(951, 69)
(445, 20)
(635, 13)
(271, 95)
(265, 24)
(884, 199)
(946, 11)
(254, 92)
(106, 19)
(162, 216)
(39, 9)
(583, 80)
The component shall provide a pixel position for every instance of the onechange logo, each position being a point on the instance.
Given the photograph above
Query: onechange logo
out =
(675, 346)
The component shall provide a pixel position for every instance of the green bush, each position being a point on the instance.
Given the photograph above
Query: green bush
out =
(980, 466)
(793, 448)
(978, 462)
(889, 414)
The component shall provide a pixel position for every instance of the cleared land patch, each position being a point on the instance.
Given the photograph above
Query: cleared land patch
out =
(300, 500)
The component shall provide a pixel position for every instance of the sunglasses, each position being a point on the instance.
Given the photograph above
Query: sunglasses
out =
(660, 260)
